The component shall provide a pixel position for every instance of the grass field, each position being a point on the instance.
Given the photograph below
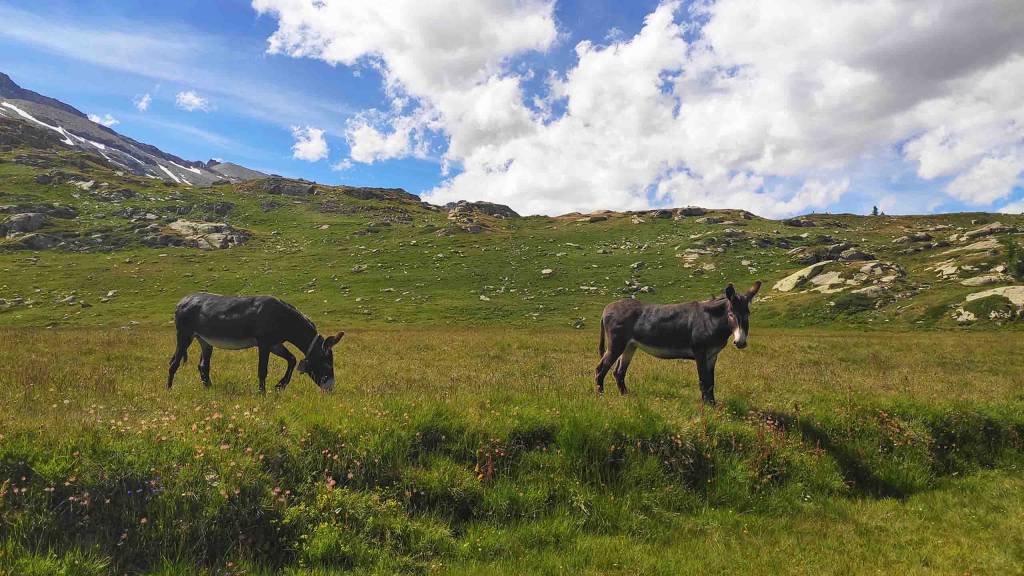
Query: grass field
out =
(486, 451)
(870, 428)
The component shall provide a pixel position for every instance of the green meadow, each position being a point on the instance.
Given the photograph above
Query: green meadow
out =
(858, 434)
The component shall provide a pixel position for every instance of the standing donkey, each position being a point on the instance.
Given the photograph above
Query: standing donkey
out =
(234, 323)
(690, 331)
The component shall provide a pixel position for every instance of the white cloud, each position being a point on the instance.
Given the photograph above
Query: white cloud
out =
(766, 107)
(142, 102)
(106, 120)
(310, 144)
(189, 101)
(342, 165)
(988, 180)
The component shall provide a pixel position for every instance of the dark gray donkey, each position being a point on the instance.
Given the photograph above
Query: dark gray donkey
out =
(690, 331)
(234, 323)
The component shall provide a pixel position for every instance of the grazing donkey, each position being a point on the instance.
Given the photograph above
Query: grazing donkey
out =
(234, 323)
(690, 331)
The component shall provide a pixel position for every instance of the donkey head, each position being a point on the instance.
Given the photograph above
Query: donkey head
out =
(738, 308)
(319, 361)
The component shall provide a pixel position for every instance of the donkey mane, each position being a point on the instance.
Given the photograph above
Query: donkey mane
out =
(299, 314)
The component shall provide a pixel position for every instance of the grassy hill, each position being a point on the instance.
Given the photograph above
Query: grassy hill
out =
(363, 257)
(874, 424)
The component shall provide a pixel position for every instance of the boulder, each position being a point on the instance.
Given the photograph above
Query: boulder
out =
(799, 223)
(1014, 294)
(207, 235)
(986, 280)
(710, 220)
(987, 230)
(660, 214)
(981, 246)
(692, 211)
(463, 207)
(855, 255)
(38, 242)
(798, 278)
(279, 185)
(25, 222)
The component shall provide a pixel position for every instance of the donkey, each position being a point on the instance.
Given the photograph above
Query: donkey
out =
(235, 323)
(690, 331)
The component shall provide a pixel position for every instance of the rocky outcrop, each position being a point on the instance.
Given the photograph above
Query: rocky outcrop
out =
(202, 235)
(466, 208)
(797, 279)
(22, 223)
(987, 230)
(1014, 294)
(279, 185)
(799, 223)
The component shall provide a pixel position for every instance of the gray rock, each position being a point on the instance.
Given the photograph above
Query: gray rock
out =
(854, 255)
(25, 222)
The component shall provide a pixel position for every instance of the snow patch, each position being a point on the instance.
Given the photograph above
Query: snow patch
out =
(194, 170)
(169, 173)
(28, 116)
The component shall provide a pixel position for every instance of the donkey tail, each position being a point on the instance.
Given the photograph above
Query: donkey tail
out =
(600, 348)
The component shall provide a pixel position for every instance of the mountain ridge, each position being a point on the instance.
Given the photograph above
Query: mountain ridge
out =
(19, 104)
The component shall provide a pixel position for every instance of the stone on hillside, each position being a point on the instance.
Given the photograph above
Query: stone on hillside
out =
(964, 316)
(207, 235)
(359, 268)
(799, 223)
(692, 211)
(873, 291)
(547, 273)
(986, 280)
(463, 207)
(988, 230)
(983, 245)
(798, 278)
(660, 214)
(592, 218)
(25, 222)
(709, 220)
(37, 241)
(854, 254)
(279, 185)
(921, 237)
(636, 219)
(1014, 294)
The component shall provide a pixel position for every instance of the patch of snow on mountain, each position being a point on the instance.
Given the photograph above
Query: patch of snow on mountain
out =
(193, 169)
(28, 116)
(169, 173)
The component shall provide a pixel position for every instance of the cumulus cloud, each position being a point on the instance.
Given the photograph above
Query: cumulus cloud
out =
(106, 120)
(740, 103)
(142, 102)
(189, 101)
(310, 144)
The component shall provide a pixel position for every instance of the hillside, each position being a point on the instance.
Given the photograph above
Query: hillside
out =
(88, 244)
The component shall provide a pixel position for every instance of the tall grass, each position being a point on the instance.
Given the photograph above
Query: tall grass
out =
(435, 453)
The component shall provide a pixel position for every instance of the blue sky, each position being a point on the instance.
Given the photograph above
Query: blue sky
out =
(535, 124)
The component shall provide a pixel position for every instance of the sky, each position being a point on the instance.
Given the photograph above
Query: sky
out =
(553, 106)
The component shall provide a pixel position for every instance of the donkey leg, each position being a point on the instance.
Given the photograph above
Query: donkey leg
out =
(204, 363)
(706, 374)
(264, 352)
(179, 356)
(283, 352)
(607, 361)
(620, 370)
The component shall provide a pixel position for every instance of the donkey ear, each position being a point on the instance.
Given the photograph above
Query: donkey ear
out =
(753, 290)
(730, 291)
(330, 341)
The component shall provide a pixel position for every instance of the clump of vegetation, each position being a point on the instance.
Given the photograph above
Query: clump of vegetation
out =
(1014, 259)
(993, 307)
